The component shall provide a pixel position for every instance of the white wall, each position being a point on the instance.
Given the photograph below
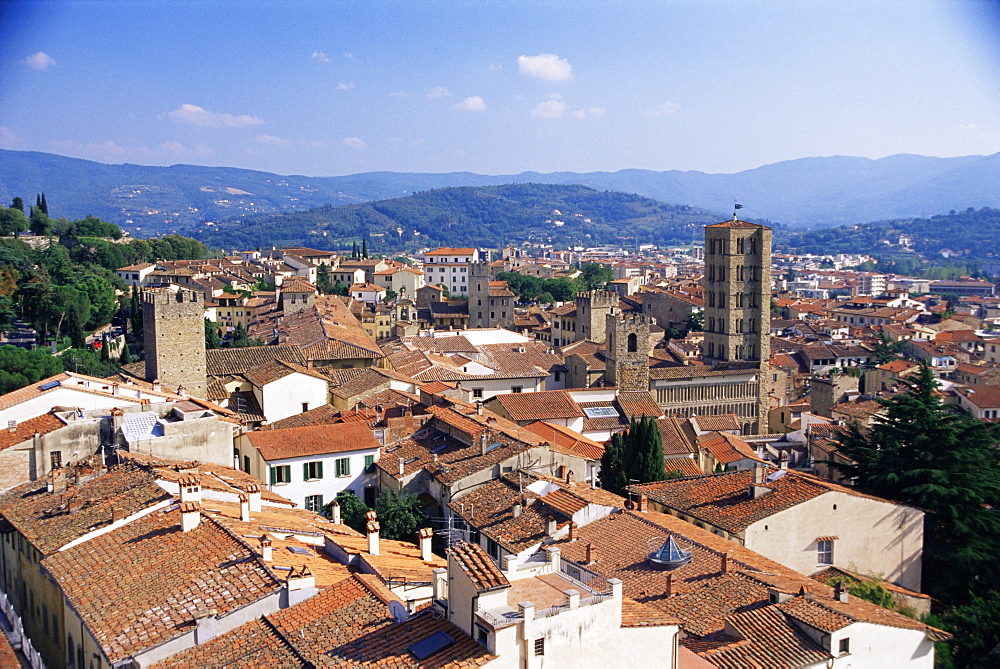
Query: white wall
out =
(284, 397)
(299, 488)
(881, 647)
(874, 537)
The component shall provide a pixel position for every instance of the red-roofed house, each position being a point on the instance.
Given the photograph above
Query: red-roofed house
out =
(310, 465)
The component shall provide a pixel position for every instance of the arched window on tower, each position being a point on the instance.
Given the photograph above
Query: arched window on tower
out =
(633, 343)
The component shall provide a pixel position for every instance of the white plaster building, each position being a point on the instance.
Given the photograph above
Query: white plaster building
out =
(450, 268)
(310, 465)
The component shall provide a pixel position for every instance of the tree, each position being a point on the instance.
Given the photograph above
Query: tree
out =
(354, 251)
(635, 455)
(390, 296)
(20, 367)
(17, 203)
(212, 338)
(39, 223)
(400, 515)
(976, 627)
(324, 281)
(885, 350)
(125, 357)
(12, 221)
(364, 247)
(135, 313)
(353, 512)
(241, 339)
(84, 361)
(696, 322)
(596, 275)
(870, 591)
(946, 463)
(43, 205)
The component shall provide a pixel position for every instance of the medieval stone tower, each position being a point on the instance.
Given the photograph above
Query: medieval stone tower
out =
(627, 355)
(479, 295)
(592, 309)
(173, 323)
(737, 293)
(738, 303)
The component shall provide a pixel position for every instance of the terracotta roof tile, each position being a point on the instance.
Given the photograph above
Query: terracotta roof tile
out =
(106, 580)
(475, 562)
(229, 361)
(25, 430)
(540, 406)
(312, 440)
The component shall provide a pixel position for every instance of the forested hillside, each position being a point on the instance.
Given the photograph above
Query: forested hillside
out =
(970, 237)
(472, 216)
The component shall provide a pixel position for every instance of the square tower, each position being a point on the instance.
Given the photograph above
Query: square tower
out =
(737, 293)
(592, 309)
(173, 324)
(627, 354)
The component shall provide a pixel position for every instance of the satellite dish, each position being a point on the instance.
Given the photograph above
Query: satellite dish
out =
(398, 611)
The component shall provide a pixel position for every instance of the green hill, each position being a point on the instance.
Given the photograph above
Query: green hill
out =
(472, 216)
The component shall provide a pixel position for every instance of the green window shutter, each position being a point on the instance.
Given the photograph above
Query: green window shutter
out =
(319, 503)
(319, 475)
(288, 473)
(347, 466)
(305, 471)
(274, 475)
(369, 461)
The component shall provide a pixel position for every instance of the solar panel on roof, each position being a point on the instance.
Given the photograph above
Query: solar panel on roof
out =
(298, 550)
(493, 447)
(776, 475)
(439, 448)
(600, 412)
(50, 385)
(432, 644)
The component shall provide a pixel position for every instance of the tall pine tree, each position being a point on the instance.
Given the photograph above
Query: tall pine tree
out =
(944, 462)
(44, 205)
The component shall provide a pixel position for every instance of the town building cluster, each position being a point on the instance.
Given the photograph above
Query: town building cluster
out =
(189, 510)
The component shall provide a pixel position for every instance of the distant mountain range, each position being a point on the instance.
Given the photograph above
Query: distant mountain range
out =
(809, 192)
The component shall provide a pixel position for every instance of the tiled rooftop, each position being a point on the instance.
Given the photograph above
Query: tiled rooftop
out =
(477, 564)
(312, 440)
(107, 580)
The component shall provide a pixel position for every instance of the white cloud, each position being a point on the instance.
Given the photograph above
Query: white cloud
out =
(8, 139)
(354, 142)
(320, 56)
(666, 108)
(348, 55)
(398, 94)
(589, 113)
(437, 92)
(546, 66)
(40, 61)
(272, 140)
(472, 103)
(345, 86)
(202, 118)
(554, 107)
(496, 68)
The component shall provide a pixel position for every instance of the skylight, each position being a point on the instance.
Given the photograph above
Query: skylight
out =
(493, 446)
(601, 412)
(432, 644)
(298, 550)
(776, 475)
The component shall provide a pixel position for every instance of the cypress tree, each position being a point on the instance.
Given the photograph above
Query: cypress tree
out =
(18, 203)
(364, 248)
(614, 478)
(126, 356)
(44, 205)
(354, 251)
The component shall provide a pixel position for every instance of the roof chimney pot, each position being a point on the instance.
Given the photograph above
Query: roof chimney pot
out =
(190, 516)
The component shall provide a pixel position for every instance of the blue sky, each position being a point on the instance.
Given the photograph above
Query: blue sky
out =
(329, 88)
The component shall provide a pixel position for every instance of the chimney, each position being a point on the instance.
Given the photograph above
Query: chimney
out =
(591, 554)
(116, 514)
(265, 548)
(783, 460)
(190, 485)
(190, 515)
(206, 627)
(572, 599)
(244, 507)
(301, 585)
(668, 588)
(12, 426)
(550, 526)
(840, 592)
(425, 535)
(116, 389)
(58, 481)
(479, 408)
(402, 467)
(335, 512)
(440, 583)
(572, 530)
(373, 528)
(482, 443)
(725, 563)
(516, 510)
(156, 385)
(181, 390)
(758, 474)
(643, 503)
(253, 492)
